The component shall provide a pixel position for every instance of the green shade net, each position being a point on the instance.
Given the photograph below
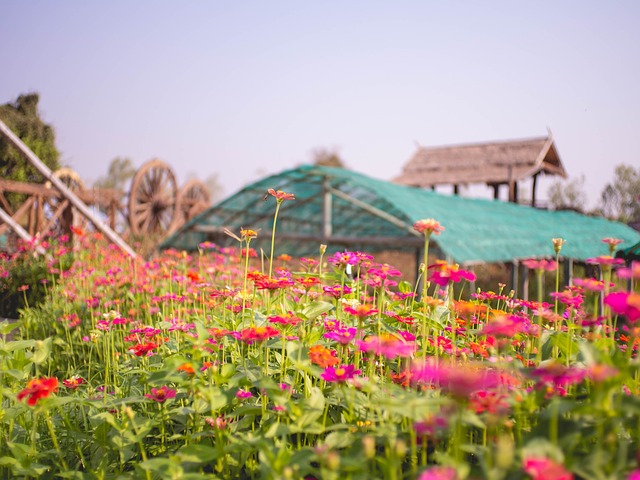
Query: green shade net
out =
(376, 214)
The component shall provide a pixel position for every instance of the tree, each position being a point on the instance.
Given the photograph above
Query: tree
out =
(569, 195)
(23, 118)
(119, 175)
(620, 200)
(327, 158)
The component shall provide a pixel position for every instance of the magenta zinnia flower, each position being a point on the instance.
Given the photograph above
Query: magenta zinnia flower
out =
(624, 303)
(339, 374)
(443, 274)
(343, 336)
(161, 394)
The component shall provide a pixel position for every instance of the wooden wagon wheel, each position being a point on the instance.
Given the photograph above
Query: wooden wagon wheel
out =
(153, 199)
(58, 213)
(194, 199)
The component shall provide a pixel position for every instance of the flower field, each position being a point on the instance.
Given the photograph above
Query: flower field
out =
(214, 364)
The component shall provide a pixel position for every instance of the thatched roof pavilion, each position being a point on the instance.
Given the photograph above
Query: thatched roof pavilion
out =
(494, 164)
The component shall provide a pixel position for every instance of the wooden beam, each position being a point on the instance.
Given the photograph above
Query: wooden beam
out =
(62, 188)
(21, 232)
(375, 211)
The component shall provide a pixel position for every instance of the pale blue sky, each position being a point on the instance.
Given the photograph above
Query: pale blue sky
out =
(247, 88)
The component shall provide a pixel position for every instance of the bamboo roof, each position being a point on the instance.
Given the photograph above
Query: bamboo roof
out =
(492, 163)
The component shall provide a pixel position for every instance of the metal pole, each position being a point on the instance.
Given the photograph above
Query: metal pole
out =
(62, 188)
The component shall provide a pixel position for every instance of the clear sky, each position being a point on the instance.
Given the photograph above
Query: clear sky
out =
(247, 88)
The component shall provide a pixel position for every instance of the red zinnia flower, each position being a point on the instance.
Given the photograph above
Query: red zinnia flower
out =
(73, 382)
(143, 349)
(280, 195)
(38, 388)
(255, 334)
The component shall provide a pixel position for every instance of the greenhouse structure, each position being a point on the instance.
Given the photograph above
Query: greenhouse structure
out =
(347, 210)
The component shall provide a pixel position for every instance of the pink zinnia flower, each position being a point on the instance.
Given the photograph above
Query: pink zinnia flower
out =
(387, 345)
(541, 468)
(541, 264)
(439, 473)
(342, 259)
(161, 394)
(558, 375)
(590, 284)
(605, 260)
(460, 380)
(339, 374)
(624, 303)
(428, 226)
(337, 291)
(632, 272)
(505, 326)
(361, 311)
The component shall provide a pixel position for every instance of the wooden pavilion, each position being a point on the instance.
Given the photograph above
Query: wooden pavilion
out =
(494, 164)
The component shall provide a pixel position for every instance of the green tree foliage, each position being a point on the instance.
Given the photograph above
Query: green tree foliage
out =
(119, 175)
(23, 118)
(569, 195)
(620, 200)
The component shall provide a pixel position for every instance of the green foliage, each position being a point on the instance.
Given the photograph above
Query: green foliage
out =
(620, 199)
(119, 174)
(23, 118)
(26, 279)
(568, 195)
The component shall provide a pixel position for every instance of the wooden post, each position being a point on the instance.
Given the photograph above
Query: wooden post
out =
(496, 191)
(514, 276)
(567, 267)
(456, 189)
(533, 189)
(327, 202)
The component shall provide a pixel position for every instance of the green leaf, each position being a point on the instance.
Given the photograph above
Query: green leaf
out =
(43, 350)
(7, 327)
(197, 453)
(315, 309)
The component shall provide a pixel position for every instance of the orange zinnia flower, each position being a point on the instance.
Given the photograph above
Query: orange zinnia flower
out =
(38, 388)
(323, 357)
